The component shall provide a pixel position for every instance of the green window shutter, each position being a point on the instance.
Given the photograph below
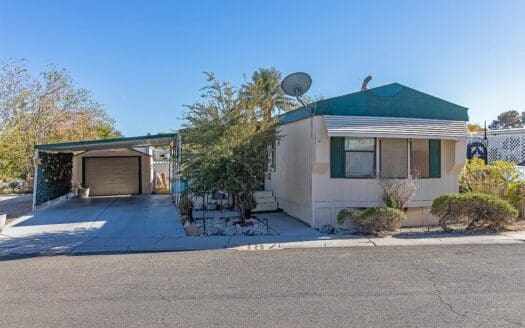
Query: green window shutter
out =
(434, 158)
(337, 157)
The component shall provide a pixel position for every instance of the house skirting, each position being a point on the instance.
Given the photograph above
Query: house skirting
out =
(318, 215)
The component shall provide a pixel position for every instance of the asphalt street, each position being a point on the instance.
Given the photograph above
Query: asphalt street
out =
(424, 286)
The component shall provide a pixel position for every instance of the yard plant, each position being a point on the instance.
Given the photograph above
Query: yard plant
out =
(43, 109)
(227, 138)
(476, 211)
(500, 179)
(374, 221)
(493, 179)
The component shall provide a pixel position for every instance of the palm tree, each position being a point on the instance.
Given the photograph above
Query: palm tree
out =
(264, 91)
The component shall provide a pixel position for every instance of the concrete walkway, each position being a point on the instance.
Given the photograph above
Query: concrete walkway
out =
(151, 224)
(294, 234)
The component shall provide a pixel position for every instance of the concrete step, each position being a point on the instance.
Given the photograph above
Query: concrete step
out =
(262, 194)
(265, 207)
(265, 201)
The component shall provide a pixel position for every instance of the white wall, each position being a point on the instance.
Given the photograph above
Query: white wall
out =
(304, 189)
(146, 169)
(292, 179)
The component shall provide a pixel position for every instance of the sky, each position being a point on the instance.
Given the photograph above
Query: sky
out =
(144, 60)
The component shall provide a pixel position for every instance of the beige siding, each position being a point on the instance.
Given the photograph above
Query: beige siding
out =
(291, 181)
(304, 189)
(144, 157)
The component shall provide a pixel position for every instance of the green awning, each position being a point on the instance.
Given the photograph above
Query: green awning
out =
(116, 143)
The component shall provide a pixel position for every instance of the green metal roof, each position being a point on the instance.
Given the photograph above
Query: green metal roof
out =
(129, 142)
(391, 100)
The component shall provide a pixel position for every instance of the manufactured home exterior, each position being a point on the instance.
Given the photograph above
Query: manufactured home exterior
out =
(331, 155)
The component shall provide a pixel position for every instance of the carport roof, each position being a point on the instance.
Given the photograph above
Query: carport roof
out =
(129, 142)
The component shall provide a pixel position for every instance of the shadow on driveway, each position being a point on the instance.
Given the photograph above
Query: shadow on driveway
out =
(94, 225)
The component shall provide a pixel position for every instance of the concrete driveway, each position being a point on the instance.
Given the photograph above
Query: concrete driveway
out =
(126, 223)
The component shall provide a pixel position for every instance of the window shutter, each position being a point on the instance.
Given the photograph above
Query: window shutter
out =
(337, 157)
(434, 158)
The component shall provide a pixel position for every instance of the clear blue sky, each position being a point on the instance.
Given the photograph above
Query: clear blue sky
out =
(144, 59)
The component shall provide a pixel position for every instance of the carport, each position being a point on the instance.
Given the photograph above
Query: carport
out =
(109, 167)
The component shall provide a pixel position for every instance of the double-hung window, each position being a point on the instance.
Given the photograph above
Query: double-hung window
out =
(425, 158)
(419, 158)
(394, 158)
(360, 157)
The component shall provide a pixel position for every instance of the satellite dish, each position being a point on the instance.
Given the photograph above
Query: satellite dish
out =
(296, 84)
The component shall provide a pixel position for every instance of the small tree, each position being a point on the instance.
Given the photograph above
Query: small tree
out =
(225, 144)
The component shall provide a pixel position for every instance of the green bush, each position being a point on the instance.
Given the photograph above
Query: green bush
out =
(478, 211)
(516, 196)
(390, 201)
(494, 179)
(343, 215)
(515, 193)
(374, 221)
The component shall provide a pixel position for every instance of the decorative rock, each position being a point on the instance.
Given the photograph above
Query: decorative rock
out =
(327, 228)
(344, 231)
(3, 219)
(218, 226)
(192, 230)
(212, 232)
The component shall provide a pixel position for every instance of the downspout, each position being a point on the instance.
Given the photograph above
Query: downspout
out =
(178, 162)
(36, 162)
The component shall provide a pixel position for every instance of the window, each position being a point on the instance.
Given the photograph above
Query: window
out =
(356, 158)
(272, 149)
(394, 158)
(419, 158)
(359, 157)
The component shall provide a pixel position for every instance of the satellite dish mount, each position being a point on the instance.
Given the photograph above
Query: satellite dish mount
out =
(296, 85)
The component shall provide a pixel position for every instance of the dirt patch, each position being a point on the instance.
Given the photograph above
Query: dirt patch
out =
(518, 226)
(15, 206)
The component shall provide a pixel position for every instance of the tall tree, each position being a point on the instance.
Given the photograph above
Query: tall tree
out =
(43, 110)
(225, 142)
(264, 92)
(507, 120)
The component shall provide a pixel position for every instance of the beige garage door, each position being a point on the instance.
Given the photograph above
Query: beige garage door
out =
(112, 175)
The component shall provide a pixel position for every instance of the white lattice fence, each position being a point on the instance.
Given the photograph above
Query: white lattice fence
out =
(510, 148)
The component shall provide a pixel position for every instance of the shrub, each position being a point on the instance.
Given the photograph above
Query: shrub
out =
(494, 179)
(374, 221)
(390, 201)
(516, 196)
(515, 193)
(398, 192)
(478, 211)
(343, 215)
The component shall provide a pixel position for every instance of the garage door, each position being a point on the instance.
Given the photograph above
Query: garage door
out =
(112, 175)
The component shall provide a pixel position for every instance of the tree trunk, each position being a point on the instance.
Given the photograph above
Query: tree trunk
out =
(244, 207)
